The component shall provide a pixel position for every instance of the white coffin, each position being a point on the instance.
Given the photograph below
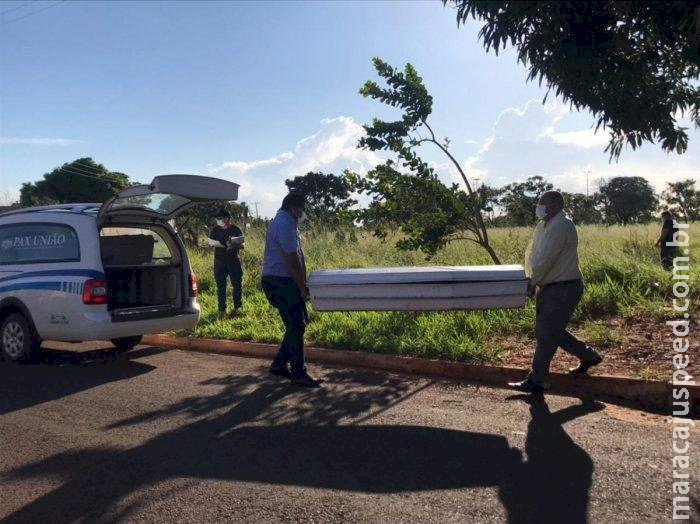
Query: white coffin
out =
(438, 288)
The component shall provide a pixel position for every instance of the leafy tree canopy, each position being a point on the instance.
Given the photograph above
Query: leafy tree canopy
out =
(82, 180)
(519, 200)
(327, 196)
(427, 224)
(683, 199)
(582, 209)
(633, 64)
(628, 200)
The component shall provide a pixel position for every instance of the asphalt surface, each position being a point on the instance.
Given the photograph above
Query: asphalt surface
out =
(172, 436)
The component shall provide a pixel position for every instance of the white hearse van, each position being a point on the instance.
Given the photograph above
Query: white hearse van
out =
(112, 271)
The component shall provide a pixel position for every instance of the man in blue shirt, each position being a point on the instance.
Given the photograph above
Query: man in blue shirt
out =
(284, 284)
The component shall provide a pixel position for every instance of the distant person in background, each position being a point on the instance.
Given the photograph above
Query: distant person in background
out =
(227, 261)
(284, 284)
(552, 266)
(668, 253)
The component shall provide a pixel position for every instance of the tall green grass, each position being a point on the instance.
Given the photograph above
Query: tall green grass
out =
(620, 265)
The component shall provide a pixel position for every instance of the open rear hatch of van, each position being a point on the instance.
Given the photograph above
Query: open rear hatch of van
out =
(142, 260)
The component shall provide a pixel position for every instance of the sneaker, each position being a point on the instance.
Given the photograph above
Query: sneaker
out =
(307, 381)
(281, 372)
(585, 365)
(528, 386)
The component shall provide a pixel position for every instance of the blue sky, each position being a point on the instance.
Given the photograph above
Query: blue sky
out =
(260, 92)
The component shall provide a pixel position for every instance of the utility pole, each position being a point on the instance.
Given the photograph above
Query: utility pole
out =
(587, 173)
(257, 215)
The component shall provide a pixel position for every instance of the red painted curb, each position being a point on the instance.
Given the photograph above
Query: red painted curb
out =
(644, 393)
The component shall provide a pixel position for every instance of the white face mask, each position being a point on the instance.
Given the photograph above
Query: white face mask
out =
(220, 223)
(540, 211)
(302, 217)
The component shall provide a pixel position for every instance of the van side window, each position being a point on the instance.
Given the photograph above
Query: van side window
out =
(32, 243)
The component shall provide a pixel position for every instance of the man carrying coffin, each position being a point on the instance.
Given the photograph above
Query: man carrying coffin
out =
(552, 266)
(285, 286)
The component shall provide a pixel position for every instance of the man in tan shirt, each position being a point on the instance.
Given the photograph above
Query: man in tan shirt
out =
(552, 266)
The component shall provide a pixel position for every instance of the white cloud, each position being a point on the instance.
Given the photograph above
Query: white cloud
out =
(539, 140)
(332, 150)
(585, 138)
(10, 140)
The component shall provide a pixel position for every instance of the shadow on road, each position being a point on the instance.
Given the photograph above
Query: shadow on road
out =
(62, 373)
(263, 430)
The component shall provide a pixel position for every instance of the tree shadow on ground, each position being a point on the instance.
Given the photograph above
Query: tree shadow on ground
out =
(262, 430)
(61, 373)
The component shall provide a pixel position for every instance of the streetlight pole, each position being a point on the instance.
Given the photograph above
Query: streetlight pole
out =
(587, 173)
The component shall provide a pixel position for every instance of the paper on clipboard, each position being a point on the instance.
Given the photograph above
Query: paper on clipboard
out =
(214, 243)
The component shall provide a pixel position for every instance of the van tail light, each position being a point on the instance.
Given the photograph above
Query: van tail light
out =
(95, 291)
(193, 285)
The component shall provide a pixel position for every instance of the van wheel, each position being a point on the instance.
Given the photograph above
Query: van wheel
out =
(18, 340)
(126, 343)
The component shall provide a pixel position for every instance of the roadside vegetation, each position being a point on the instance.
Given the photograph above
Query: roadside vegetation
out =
(624, 283)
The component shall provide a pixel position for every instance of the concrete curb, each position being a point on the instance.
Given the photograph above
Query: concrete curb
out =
(620, 390)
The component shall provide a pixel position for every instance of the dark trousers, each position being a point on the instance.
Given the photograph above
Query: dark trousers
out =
(555, 305)
(225, 271)
(668, 253)
(284, 295)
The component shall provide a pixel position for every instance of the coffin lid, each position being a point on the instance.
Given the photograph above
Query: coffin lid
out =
(414, 274)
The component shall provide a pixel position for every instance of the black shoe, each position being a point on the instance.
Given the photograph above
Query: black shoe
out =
(307, 381)
(585, 365)
(528, 386)
(281, 372)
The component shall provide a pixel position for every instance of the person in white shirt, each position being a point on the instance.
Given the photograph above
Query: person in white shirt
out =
(551, 263)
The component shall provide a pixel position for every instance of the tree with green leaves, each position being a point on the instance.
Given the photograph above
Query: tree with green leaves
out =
(627, 200)
(582, 209)
(82, 180)
(327, 196)
(519, 200)
(406, 190)
(683, 199)
(633, 64)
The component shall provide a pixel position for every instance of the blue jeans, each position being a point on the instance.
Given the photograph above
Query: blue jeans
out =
(222, 273)
(283, 294)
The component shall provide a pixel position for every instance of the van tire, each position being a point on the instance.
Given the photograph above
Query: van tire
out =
(18, 339)
(126, 343)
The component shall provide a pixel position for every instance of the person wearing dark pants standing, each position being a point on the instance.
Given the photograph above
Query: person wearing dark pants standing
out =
(668, 253)
(227, 261)
(284, 284)
(553, 268)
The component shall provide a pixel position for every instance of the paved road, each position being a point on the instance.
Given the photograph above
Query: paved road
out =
(170, 436)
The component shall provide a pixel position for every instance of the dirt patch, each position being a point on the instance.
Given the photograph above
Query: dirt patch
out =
(644, 350)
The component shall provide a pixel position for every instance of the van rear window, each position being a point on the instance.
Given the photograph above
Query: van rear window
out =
(38, 243)
(131, 246)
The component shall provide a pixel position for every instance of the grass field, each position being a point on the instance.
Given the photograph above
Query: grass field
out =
(620, 265)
